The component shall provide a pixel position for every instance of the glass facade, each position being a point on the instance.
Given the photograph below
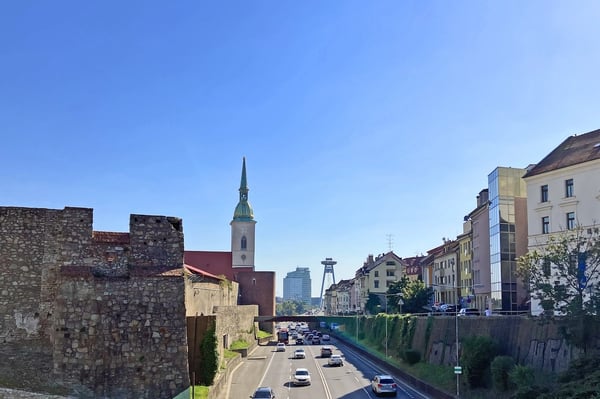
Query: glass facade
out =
(504, 184)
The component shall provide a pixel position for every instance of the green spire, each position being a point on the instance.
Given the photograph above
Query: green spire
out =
(243, 210)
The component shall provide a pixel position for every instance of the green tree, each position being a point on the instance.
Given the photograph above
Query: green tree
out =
(373, 305)
(477, 354)
(290, 308)
(415, 296)
(564, 275)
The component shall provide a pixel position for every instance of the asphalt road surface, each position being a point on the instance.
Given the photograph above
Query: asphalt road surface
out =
(267, 367)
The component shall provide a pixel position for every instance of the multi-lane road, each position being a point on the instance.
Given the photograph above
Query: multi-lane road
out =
(267, 367)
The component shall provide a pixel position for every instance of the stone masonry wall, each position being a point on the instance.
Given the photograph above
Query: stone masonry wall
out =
(122, 338)
(110, 305)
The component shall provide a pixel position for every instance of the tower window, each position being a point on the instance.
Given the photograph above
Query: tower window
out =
(244, 243)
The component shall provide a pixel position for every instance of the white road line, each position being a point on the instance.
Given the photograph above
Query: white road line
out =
(322, 375)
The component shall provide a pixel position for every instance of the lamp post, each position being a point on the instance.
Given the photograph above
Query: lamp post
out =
(386, 319)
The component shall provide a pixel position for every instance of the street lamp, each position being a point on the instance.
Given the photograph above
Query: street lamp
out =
(386, 322)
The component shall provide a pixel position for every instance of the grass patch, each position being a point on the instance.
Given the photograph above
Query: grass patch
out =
(200, 392)
(263, 334)
(239, 344)
(228, 354)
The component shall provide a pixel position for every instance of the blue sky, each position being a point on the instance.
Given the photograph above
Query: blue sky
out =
(359, 120)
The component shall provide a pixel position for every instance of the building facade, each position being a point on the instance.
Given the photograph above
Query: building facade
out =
(297, 285)
(564, 192)
(508, 237)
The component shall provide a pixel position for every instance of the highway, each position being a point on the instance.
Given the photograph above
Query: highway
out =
(267, 367)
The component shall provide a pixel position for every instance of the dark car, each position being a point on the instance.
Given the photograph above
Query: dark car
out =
(300, 341)
(263, 393)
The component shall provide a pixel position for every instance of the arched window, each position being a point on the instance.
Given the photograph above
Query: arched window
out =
(244, 243)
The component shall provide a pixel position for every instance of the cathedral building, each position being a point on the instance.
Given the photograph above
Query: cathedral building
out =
(255, 287)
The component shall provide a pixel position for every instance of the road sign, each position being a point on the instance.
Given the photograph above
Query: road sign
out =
(457, 370)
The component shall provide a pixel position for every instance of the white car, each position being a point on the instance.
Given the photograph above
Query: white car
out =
(335, 360)
(280, 347)
(299, 354)
(301, 377)
(383, 384)
(325, 337)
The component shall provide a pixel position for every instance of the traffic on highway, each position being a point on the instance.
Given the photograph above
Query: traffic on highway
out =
(311, 368)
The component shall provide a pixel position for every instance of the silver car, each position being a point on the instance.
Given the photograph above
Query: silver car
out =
(383, 384)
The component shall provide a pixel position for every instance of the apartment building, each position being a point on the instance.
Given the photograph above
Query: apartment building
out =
(564, 192)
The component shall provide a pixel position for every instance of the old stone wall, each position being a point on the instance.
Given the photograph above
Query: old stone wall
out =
(122, 338)
(202, 296)
(110, 305)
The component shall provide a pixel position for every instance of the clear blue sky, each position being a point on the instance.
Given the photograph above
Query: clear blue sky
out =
(358, 119)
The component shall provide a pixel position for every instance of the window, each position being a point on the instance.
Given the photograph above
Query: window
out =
(544, 192)
(376, 273)
(390, 263)
(569, 188)
(244, 243)
(570, 220)
(376, 283)
(546, 225)
(390, 273)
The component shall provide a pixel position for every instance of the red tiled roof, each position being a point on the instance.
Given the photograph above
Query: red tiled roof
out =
(574, 150)
(109, 237)
(202, 272)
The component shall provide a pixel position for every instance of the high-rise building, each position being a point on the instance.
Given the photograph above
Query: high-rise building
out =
(508, 236)
(297, 285)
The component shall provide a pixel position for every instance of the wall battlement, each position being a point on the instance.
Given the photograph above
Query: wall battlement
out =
(110, 304)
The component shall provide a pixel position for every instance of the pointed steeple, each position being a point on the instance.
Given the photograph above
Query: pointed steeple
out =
(243, 210)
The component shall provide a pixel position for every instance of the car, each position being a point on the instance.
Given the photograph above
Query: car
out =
(325, 337)
(309, 338)
(301, 377)
(335, 360)
(280, 347)
(263, 393)
(326, 351)
(316, 340)
(469, 312)
(299, 354)
(383, 384)
(448, 308)
(300, 341)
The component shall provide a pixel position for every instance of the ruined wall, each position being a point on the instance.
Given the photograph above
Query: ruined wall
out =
(34, 242)
(202, 296)
(122, 338)
(111, 305)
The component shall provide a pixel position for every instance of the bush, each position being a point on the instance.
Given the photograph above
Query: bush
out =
(522, 376)
(501, 367)
(477, 354)
(411, 356)
(210, 357)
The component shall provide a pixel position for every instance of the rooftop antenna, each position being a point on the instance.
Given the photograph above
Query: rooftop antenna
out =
(390, 240)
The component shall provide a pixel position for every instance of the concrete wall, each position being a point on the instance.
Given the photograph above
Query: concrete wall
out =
(525, 339)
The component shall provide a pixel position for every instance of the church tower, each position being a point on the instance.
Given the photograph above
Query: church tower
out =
(242, 228)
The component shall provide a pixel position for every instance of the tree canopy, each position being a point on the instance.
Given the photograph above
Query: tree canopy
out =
(408, 296)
